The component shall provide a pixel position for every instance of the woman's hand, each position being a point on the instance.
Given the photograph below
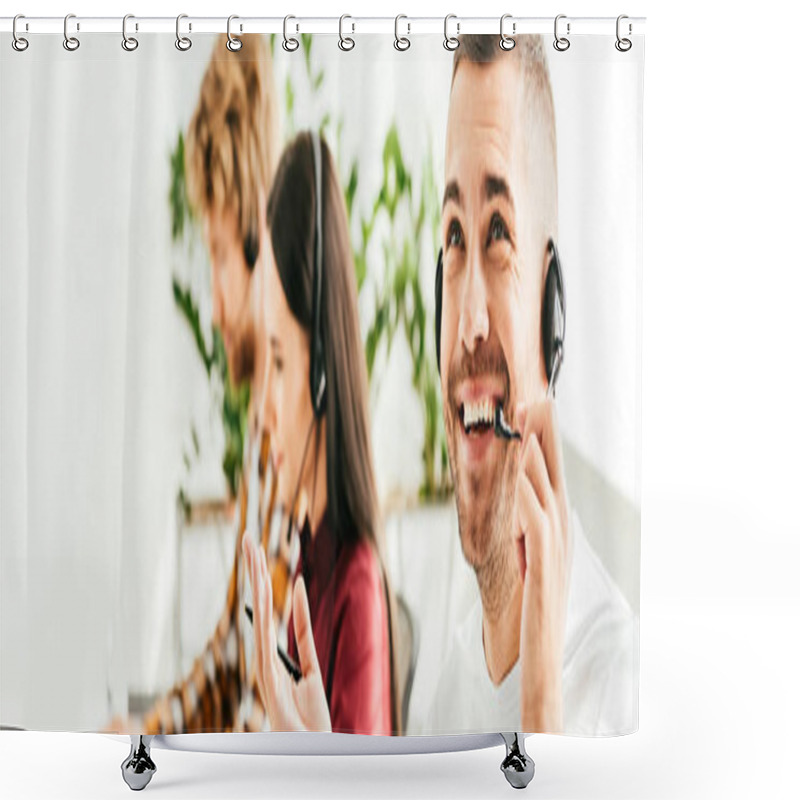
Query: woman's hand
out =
(544, 548)
(290, 705)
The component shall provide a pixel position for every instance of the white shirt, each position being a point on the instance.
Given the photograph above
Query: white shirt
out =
(600, 674)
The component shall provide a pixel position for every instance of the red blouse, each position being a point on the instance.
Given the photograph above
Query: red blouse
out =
(349, 621)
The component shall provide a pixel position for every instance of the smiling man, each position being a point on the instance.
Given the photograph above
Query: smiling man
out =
(550, 645)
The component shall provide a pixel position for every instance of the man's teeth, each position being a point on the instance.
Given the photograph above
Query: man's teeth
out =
(481, 411)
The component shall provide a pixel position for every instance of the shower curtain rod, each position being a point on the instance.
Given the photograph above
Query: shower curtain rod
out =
(408, 26)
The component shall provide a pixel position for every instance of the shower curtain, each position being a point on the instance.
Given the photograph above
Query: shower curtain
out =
(489, 213)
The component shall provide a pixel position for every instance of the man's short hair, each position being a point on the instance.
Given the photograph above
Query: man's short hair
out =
(530, 56)
(231, 144)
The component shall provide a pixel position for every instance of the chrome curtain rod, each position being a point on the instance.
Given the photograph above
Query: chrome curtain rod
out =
(324, 25)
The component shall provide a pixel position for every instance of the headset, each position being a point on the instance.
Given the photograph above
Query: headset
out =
(554, 316)
(318, 379)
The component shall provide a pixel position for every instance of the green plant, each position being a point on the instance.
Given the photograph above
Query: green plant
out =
(234, 400)
(399, 300)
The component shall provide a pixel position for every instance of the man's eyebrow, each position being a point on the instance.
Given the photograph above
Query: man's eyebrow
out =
(451, 192)
(495, 186)
(274, 343)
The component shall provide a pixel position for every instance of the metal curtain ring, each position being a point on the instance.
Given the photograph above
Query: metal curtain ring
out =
(290, 43)
(129, 43)
(346, 42)
(183, 43)
(19, 43)
(623, 45)
(561, 43)
(401, 43)
(506, 42)
(234, 43)
(71, 43)
(451, 42)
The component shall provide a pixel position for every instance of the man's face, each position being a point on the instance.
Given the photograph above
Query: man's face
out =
(230, 291)
(491, 296)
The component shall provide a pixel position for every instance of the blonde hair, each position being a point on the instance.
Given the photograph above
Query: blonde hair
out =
(231, 144)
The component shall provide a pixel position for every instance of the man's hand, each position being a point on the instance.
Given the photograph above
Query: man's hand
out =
(290, 706)
(544, 548)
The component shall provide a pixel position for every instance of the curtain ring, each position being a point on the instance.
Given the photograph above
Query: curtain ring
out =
(234, 43)
(561, 43)
(623, 45)
(346, 43)
(183, 43)
(451, 42)
(401, 43)
(71, 43)
(290, 43)
(129, 43)
(506, 42)
(19, 43)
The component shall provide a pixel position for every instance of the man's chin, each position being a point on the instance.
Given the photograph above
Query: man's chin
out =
(475, 527)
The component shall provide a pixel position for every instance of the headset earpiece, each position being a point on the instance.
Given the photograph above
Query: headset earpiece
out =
(553, 317)
(317, 375)
(438, 320)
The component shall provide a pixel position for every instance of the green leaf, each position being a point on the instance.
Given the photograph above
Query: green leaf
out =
(350, 189)
(307, 40)
(186, 305)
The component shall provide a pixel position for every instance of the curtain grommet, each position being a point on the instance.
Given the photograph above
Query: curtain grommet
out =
(346, 43)
(623, 44)
(289, 43)
(560, 43)
(71, 43)
(129, 43)
(183, 43)
(451, 42)
(19, 43)
(507, 42)
(234, 43)
(401, 43)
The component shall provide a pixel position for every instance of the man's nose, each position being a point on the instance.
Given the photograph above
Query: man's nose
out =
(474, 318)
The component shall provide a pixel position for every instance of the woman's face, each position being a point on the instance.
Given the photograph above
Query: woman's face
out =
(288, 398)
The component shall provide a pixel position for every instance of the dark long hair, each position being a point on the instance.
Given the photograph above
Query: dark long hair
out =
(291, 211)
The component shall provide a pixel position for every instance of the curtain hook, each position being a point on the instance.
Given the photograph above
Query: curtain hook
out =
(183, 43)
(19, 43)
(234, 43)
(71, 43)
(451, 42)
(507, 42)
(623, 45)
(290, 43)
(346, 43)
(561, 43)
(401, 43)
(129, 43)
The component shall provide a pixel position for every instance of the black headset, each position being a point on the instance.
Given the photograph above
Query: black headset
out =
(317, 377)
(554, 316)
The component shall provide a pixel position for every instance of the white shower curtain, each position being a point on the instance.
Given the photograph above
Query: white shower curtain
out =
(100, 383)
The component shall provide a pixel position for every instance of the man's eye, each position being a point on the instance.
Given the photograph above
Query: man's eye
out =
(497, 229)
(278, 365)
(455, 236)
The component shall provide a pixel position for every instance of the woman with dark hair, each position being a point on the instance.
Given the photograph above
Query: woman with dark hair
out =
(340, 629)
